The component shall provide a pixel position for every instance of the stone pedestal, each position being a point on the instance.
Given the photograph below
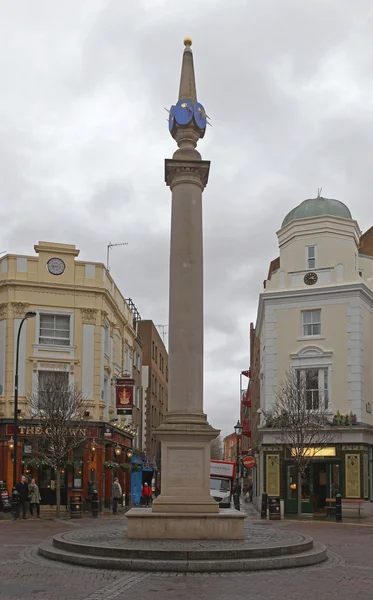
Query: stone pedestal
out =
(185, 510)
(185, 465)
(226, 524)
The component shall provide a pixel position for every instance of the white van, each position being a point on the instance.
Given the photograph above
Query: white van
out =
(221, 481)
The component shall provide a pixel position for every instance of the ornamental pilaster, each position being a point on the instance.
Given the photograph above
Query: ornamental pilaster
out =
(89, 315)
(3, 310)
(19, 309)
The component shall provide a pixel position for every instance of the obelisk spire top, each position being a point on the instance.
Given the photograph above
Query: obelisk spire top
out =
(187, 90)
(187, 118)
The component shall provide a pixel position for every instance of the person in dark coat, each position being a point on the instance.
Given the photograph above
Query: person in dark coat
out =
(22, 489)
(237, 495)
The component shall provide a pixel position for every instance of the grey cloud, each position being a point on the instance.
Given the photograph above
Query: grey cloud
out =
(83, 137)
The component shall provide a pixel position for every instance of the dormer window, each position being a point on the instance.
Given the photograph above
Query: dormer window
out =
(311, 257)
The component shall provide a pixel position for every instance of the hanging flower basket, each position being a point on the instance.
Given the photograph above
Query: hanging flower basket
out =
(109, 464)
(135, 468)
(124, 467)
(34, 463)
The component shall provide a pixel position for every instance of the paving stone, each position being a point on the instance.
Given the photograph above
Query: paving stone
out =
(346, 575)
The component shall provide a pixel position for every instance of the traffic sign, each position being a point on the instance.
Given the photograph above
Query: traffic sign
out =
(249, 462)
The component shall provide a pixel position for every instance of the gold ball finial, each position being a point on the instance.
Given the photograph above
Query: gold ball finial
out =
(187, 41)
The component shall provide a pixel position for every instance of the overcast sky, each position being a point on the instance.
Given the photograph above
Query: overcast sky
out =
(288, 85)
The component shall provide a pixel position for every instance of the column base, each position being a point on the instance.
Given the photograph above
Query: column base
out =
(227, 524)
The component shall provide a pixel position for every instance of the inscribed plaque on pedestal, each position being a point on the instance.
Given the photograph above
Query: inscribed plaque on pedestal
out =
(352, 468)
(273, 474)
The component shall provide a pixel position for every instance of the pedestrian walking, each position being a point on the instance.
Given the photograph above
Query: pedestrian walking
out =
(22, 489)
(117, 495)
(34, 498)
(237, 495)
(146, 494)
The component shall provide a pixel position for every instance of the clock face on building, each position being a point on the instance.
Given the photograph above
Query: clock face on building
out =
(310, 278)
(55, 266)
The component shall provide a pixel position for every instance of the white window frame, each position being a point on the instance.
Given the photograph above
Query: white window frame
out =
(53, 346)
(311, 267)
(49, 372)
(323, 375)
(312, 324)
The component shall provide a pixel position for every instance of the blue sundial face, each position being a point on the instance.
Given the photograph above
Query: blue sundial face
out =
(183, 112)
(200, 115)
(171, 118)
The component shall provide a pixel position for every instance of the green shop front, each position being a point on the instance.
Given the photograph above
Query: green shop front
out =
(333, 469)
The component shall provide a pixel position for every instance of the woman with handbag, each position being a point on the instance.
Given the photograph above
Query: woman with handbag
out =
(34, 498)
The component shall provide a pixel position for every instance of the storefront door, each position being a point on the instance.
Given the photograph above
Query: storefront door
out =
(321, 480)
(291, 501)
(47, 486)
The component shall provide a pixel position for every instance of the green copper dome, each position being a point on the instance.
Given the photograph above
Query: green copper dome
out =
(315, 207)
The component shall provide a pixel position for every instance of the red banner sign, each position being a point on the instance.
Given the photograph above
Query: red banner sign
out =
(124, 389)
(249, 462)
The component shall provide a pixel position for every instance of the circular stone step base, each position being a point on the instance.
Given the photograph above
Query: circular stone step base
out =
(108, 547)
(315, 555)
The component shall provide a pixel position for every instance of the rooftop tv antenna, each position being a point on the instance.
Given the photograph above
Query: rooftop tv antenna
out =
(109, 247)
(319, 190)
(163, 328)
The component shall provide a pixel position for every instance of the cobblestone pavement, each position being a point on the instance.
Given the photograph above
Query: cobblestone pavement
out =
(346, 575)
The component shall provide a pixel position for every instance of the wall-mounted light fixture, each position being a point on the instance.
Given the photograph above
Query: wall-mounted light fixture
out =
(117, 450)
(93, 448)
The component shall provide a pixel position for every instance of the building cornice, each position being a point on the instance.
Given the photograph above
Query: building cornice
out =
(69, 289)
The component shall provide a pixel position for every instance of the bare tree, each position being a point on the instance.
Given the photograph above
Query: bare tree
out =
(217, 449)
(301, 417)
(58, 408)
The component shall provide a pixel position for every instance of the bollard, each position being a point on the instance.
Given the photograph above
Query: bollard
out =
(338, 508)
(263, 513)
(15, 505)
(94, 504)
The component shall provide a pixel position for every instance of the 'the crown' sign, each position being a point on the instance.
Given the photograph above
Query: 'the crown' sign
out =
(124, 395)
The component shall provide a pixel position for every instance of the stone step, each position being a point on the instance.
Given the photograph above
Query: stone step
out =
(175, 553)
(314, 555)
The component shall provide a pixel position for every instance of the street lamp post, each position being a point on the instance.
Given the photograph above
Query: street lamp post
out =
(238, 432)
(28, 315)
(129, 480)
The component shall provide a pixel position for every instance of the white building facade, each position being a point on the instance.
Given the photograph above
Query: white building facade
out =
(315, 315)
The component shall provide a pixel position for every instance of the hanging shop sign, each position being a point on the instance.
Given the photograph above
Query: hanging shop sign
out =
(124, 395)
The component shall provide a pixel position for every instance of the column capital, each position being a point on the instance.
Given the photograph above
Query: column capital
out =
(187, 171)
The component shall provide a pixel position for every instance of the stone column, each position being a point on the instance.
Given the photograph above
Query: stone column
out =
(187, 180)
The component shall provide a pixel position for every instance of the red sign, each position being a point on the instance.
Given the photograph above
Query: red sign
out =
(249, 462)
(124, 395)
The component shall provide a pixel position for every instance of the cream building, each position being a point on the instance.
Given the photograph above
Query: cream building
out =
(84, 329)
(315, 315)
